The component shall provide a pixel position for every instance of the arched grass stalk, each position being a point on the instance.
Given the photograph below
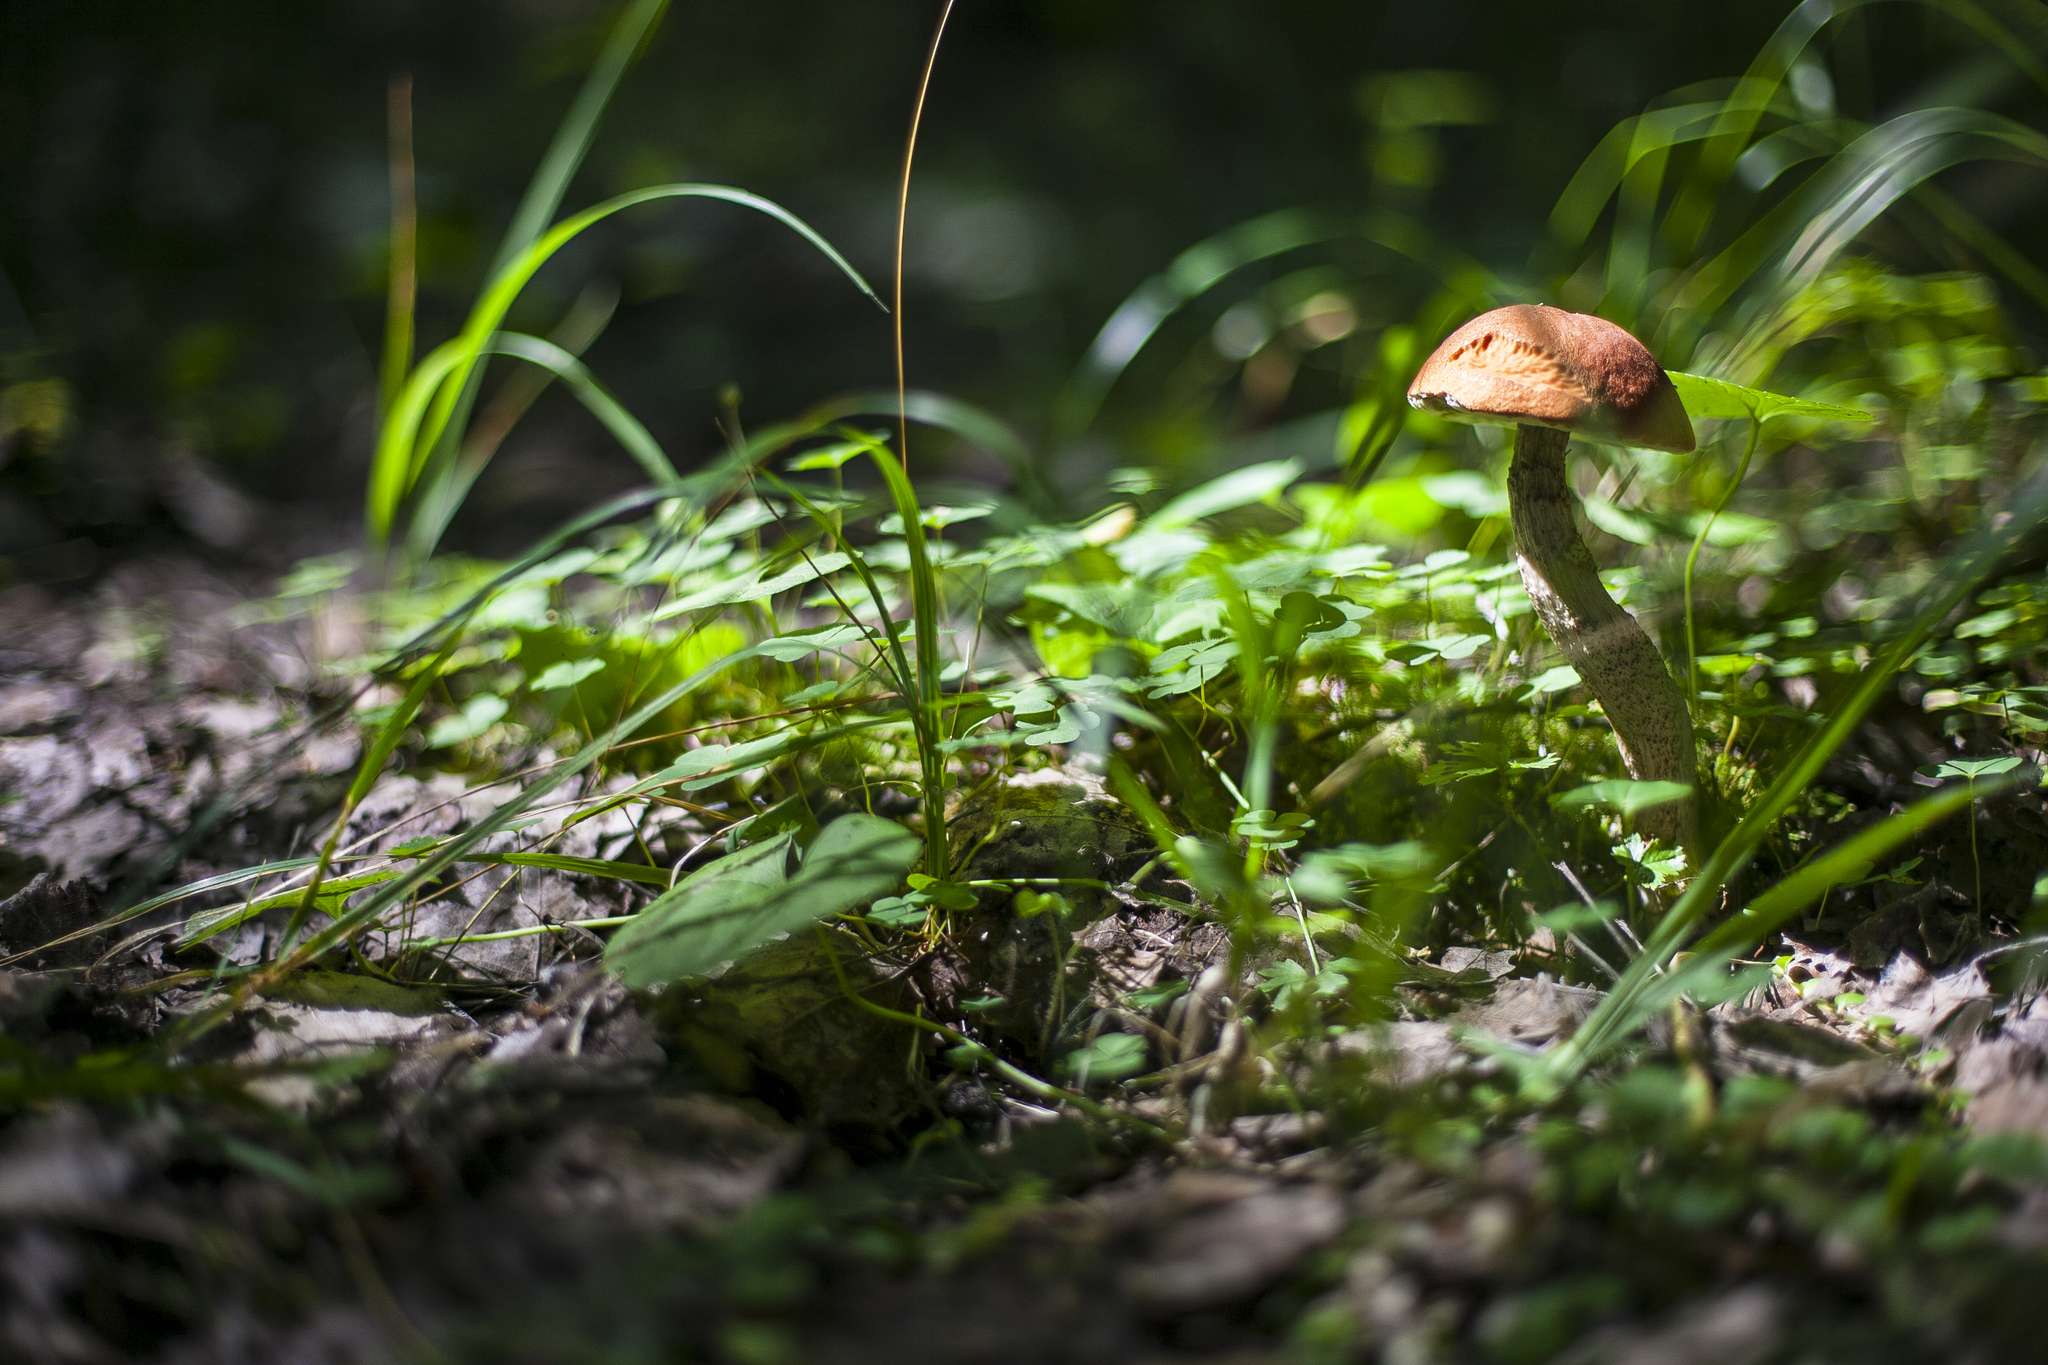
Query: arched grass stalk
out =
(1692, 648)
(1638, 995)
(1706, 397)
(424, 417)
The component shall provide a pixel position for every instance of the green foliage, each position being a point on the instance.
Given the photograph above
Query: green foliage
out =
(1305, 661)
(742, 901)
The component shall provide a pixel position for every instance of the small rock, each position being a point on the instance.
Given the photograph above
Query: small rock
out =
(1227, 1254)
(33, 702)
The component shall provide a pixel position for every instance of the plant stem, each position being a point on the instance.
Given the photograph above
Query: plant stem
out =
(1692, 673)
(923, 581)
(404, 270)
(1976, 868)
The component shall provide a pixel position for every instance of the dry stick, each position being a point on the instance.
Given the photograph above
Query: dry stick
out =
(404, 283)
(927, 701)
(1018, 1077)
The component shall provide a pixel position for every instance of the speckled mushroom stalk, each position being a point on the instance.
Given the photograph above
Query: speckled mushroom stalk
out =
(1550, 374)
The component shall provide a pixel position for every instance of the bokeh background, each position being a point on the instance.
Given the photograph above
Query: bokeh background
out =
(194, 212)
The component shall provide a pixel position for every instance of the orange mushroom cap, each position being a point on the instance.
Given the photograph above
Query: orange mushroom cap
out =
(1534, 364)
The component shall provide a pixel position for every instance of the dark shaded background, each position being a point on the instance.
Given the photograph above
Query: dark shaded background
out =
(193, 210)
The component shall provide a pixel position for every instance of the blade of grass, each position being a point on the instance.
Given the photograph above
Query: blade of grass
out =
(1846, 862)
(1193, 273)
(431, 396)
(2002, 531)
(403, 290)
(585, 321)
(367, 773)
(1704, 975)
(624, 427)
(544, 193)
(558, 165)
(895, 467)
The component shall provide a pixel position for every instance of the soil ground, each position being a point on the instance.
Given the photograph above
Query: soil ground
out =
(524, 1162)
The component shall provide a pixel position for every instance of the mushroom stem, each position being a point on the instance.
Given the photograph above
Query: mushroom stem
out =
(1604, 643)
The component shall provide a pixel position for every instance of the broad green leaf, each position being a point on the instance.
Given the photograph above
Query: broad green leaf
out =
(1621, 794)
(699, 925)
(1470, 492)
(801, 643)
(1123, 609)
(1111, 1057)
(731, 594)
(1238, 488)
(333, 893)
(827, 457)
(1728, 665)
(1974, 768)
(1574, 916)
(477, 715)
(566, 673)
(1706, 397)
(582, 867)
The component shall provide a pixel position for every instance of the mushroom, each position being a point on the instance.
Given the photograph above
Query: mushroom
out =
(1551, 374)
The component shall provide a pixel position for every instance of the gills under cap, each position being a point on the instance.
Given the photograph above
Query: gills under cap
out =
(1534, 364)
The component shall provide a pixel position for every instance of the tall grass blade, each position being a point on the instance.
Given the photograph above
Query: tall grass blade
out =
(623, 425)
(1705, 974)
(727, 913)
(429, 402)
(542, 199)
(1845, 863)
(895, 467)
(403, 292)
(1193, 273)
(559, 164)
(486, 430)
(2002, 531)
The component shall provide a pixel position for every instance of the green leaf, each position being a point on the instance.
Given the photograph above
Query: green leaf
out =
(699, 925)
(1706, 397)
(1622, 794)
(1649, 863)
(1974, 768)
(801, 643)
(566, 673)
(731, 594)
(1124, 609)
(1110, 1057)
(1728, 665)
(1239, 488)
(1573, 916)
(901, 912)
(827, 457)
(333, 893)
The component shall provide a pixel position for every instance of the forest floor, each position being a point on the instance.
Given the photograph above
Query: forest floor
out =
(525, 1162)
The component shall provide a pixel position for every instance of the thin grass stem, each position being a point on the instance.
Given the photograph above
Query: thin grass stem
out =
(1692, 652)
(403, 290)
